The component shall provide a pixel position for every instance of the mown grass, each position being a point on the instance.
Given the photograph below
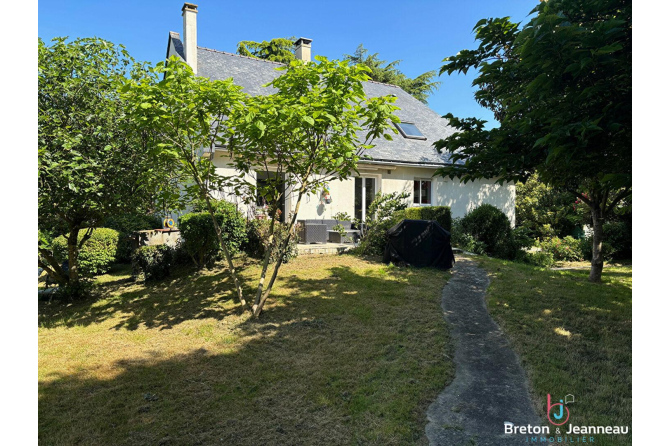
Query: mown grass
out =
(348, 351)
(573, 337)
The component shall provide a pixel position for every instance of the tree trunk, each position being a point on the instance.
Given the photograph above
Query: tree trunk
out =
(226, 253)
(259, 308)
(597, 256)
(266, 261)
(73, 255)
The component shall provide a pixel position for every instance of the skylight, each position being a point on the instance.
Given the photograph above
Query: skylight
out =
(409, 130)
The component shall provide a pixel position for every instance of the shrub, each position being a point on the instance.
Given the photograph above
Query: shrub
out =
(384, 212)
(489, 226)
(441, 214)
(619, 236)
(463, 240)
(96, 256)
(544, 259)
(154, 261)
(258, 234)
(568, 248)
(586, 248)
(199, 236)
(126, 224)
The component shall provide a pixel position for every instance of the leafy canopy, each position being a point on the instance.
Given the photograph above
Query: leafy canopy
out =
(276, 50)
(90, 165)
(314, 129)
(387, 72)
(561, 90)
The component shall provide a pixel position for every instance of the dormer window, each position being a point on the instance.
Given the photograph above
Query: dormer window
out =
(410, 131)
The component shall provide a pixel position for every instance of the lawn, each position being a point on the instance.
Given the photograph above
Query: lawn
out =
(573, 337)
(348, 351)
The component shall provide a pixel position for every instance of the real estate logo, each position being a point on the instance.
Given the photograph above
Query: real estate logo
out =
(561, 414)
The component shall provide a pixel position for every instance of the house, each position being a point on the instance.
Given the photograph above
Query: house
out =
(407, 163)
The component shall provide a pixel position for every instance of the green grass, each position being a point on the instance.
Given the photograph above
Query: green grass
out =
(348, 351)
(573, 337)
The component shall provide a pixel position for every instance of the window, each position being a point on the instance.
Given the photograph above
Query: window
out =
(422, 192)
(410, 130)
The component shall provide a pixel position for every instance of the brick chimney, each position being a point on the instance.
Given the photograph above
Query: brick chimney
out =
(190, 36)
(303, 49)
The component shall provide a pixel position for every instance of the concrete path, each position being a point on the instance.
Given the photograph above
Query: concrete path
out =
(490, 387)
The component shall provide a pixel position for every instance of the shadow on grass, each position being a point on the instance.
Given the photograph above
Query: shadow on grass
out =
(344, 356)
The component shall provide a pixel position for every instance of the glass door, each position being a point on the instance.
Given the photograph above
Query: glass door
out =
(364, 194)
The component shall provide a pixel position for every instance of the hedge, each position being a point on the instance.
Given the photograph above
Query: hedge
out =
(199, 236)
(96, 256)
(126, 224)
(441, 214)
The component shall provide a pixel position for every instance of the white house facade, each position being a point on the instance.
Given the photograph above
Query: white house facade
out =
(407, 163)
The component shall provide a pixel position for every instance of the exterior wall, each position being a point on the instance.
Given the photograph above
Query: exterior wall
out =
(445, 192)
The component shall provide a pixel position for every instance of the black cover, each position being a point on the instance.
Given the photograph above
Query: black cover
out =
(419, 243)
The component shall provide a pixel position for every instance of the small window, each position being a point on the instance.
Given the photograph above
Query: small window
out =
(422, 192)
(410, 130)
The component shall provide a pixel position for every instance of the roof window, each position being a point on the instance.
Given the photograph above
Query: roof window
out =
(409, 130)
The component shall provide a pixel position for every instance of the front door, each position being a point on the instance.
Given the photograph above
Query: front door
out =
(364, 190)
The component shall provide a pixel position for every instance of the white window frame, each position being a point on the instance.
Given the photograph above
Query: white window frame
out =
(432, 192)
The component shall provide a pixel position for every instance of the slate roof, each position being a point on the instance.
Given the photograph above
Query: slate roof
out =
(252, 74)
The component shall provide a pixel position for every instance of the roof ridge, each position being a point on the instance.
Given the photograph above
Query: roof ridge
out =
(243, 57)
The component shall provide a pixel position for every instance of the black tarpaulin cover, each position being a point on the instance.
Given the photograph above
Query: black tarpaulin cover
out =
(419, 243)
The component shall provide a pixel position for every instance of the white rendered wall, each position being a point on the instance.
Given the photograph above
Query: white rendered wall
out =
(460, 197)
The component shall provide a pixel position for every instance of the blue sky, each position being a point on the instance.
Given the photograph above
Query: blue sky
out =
(420, 33)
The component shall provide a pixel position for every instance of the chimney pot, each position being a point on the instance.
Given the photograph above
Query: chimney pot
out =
(189, 12)
(303, 49)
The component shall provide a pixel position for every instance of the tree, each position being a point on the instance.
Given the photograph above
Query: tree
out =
(307, 133)
(314, 129)
(561, 89)
(381, 71)
(547, 212)
(187, 118)
(90, 166)
(277, 50)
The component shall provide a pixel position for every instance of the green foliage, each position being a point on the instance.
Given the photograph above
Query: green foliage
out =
(568, 248)
(387, 72)
(441, 214)
(586, 247)
(619, 235)
(199, 236)
(276, 50)
(546, 211)
(384, 212)
(258, 236)
(561, 89)
(96, 255)
(126, 224)
(489, 226)
(544, 259)
(92, 163)
(153, 261)
(463, 240)
(129, 223)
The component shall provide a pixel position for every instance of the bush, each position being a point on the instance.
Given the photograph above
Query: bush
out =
(586, 248)
(544, 259)
(199, 236)
(463, 240)
(489, 226)
(395, 210)
(568, 248)
(619, 236)
(441, 214)
(258, 234)
(96, 256)
(126, 224)
(154, 261)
